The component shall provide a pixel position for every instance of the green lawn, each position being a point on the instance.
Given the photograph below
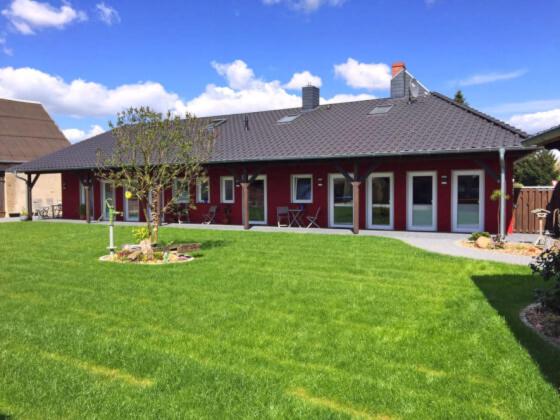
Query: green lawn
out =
(264, 325)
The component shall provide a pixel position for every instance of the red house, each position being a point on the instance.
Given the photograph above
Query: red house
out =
(414, 161)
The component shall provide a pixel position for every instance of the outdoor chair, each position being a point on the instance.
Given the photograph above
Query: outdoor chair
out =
(210, 216)
(282, 214)
(313, 219)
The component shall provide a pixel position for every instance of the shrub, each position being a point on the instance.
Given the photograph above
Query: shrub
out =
(475, 235)
(141, 233)
(547, 265)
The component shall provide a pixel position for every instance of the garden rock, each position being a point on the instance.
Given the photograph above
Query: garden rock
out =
(484, 243)
(146, 249)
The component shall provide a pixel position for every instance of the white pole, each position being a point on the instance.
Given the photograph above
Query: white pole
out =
(502, 193)
(111, 239)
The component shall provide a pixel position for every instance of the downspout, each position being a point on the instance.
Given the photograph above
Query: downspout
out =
(502, 230)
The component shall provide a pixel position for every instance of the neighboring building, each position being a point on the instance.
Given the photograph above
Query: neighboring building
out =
(27, 132)
(415, 161)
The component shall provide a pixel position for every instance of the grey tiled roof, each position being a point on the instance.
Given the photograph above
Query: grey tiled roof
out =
(431, 124)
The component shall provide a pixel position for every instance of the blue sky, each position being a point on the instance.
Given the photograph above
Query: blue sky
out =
(85, 60)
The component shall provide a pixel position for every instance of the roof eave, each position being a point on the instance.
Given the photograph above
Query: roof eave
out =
(544, 138)
(314, 158)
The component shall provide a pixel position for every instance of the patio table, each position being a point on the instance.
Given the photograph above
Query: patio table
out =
(295, 217)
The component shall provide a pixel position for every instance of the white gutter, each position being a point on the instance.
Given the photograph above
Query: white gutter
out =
(502, 227)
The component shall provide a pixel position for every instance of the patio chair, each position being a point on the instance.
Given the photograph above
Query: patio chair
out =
(282, 213)
(313, 219)
(210, 216)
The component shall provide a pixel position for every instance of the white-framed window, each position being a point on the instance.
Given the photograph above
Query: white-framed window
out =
(302, 188)
(227, 189)
(203, 190)
(181, 191)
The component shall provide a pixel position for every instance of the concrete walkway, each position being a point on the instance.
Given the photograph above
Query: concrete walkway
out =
(441, 243)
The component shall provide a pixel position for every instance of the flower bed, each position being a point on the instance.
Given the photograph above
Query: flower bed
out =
(543, 321)
(145, 253)
(513, 248)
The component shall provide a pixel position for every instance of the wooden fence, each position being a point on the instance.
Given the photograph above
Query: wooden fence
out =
(527, 199)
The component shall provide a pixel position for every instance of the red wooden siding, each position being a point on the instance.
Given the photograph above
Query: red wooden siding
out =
(279, 189)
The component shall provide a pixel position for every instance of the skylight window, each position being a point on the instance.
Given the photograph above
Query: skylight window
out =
(215, 123)
(287, 119)
(383, 109)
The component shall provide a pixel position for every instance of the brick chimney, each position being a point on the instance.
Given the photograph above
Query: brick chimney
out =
(309, 97)
(397, 67)
(399, 80)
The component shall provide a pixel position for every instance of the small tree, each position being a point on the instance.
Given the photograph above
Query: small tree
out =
(539, 168)
(460, 98)
(154, 153)
(547, 264)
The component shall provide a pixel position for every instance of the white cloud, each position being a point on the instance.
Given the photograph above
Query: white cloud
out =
(536, 121)
(27, 16)
(83, 98)
(243, 92)
(75, 134)
(306, 6)
(364, 75)
(344, 97)
(482, 79)
(107, 14)
(237, 73)
(302, 79)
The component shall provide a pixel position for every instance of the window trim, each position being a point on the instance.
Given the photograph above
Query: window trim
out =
(174, 192)
(199, 191)
(454, 204)
(293, 182)
(223, 179)
(391, 204)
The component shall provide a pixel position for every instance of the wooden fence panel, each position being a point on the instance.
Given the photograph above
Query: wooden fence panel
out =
(527, 199)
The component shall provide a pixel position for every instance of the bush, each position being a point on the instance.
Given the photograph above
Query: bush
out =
(141, 233)
(475, 235)
(547, 265)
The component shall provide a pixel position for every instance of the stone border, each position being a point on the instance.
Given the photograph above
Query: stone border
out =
(106, 258)
(523, 318)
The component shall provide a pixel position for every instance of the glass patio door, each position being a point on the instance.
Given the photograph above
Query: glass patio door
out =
(341, 201)
(380, 201)
(421, 201)
(257, 201)
(468, 201)
(107, 193)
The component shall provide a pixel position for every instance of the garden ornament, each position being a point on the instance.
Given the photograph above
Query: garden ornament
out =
(112, 214)
(541, 217)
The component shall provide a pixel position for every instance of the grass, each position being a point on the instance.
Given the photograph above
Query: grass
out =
(264, 325)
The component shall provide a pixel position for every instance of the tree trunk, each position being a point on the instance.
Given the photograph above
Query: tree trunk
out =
(155, 218)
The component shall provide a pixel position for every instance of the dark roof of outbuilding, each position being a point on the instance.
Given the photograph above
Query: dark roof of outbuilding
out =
(27, 132)
(546, 138)
(432, 124)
